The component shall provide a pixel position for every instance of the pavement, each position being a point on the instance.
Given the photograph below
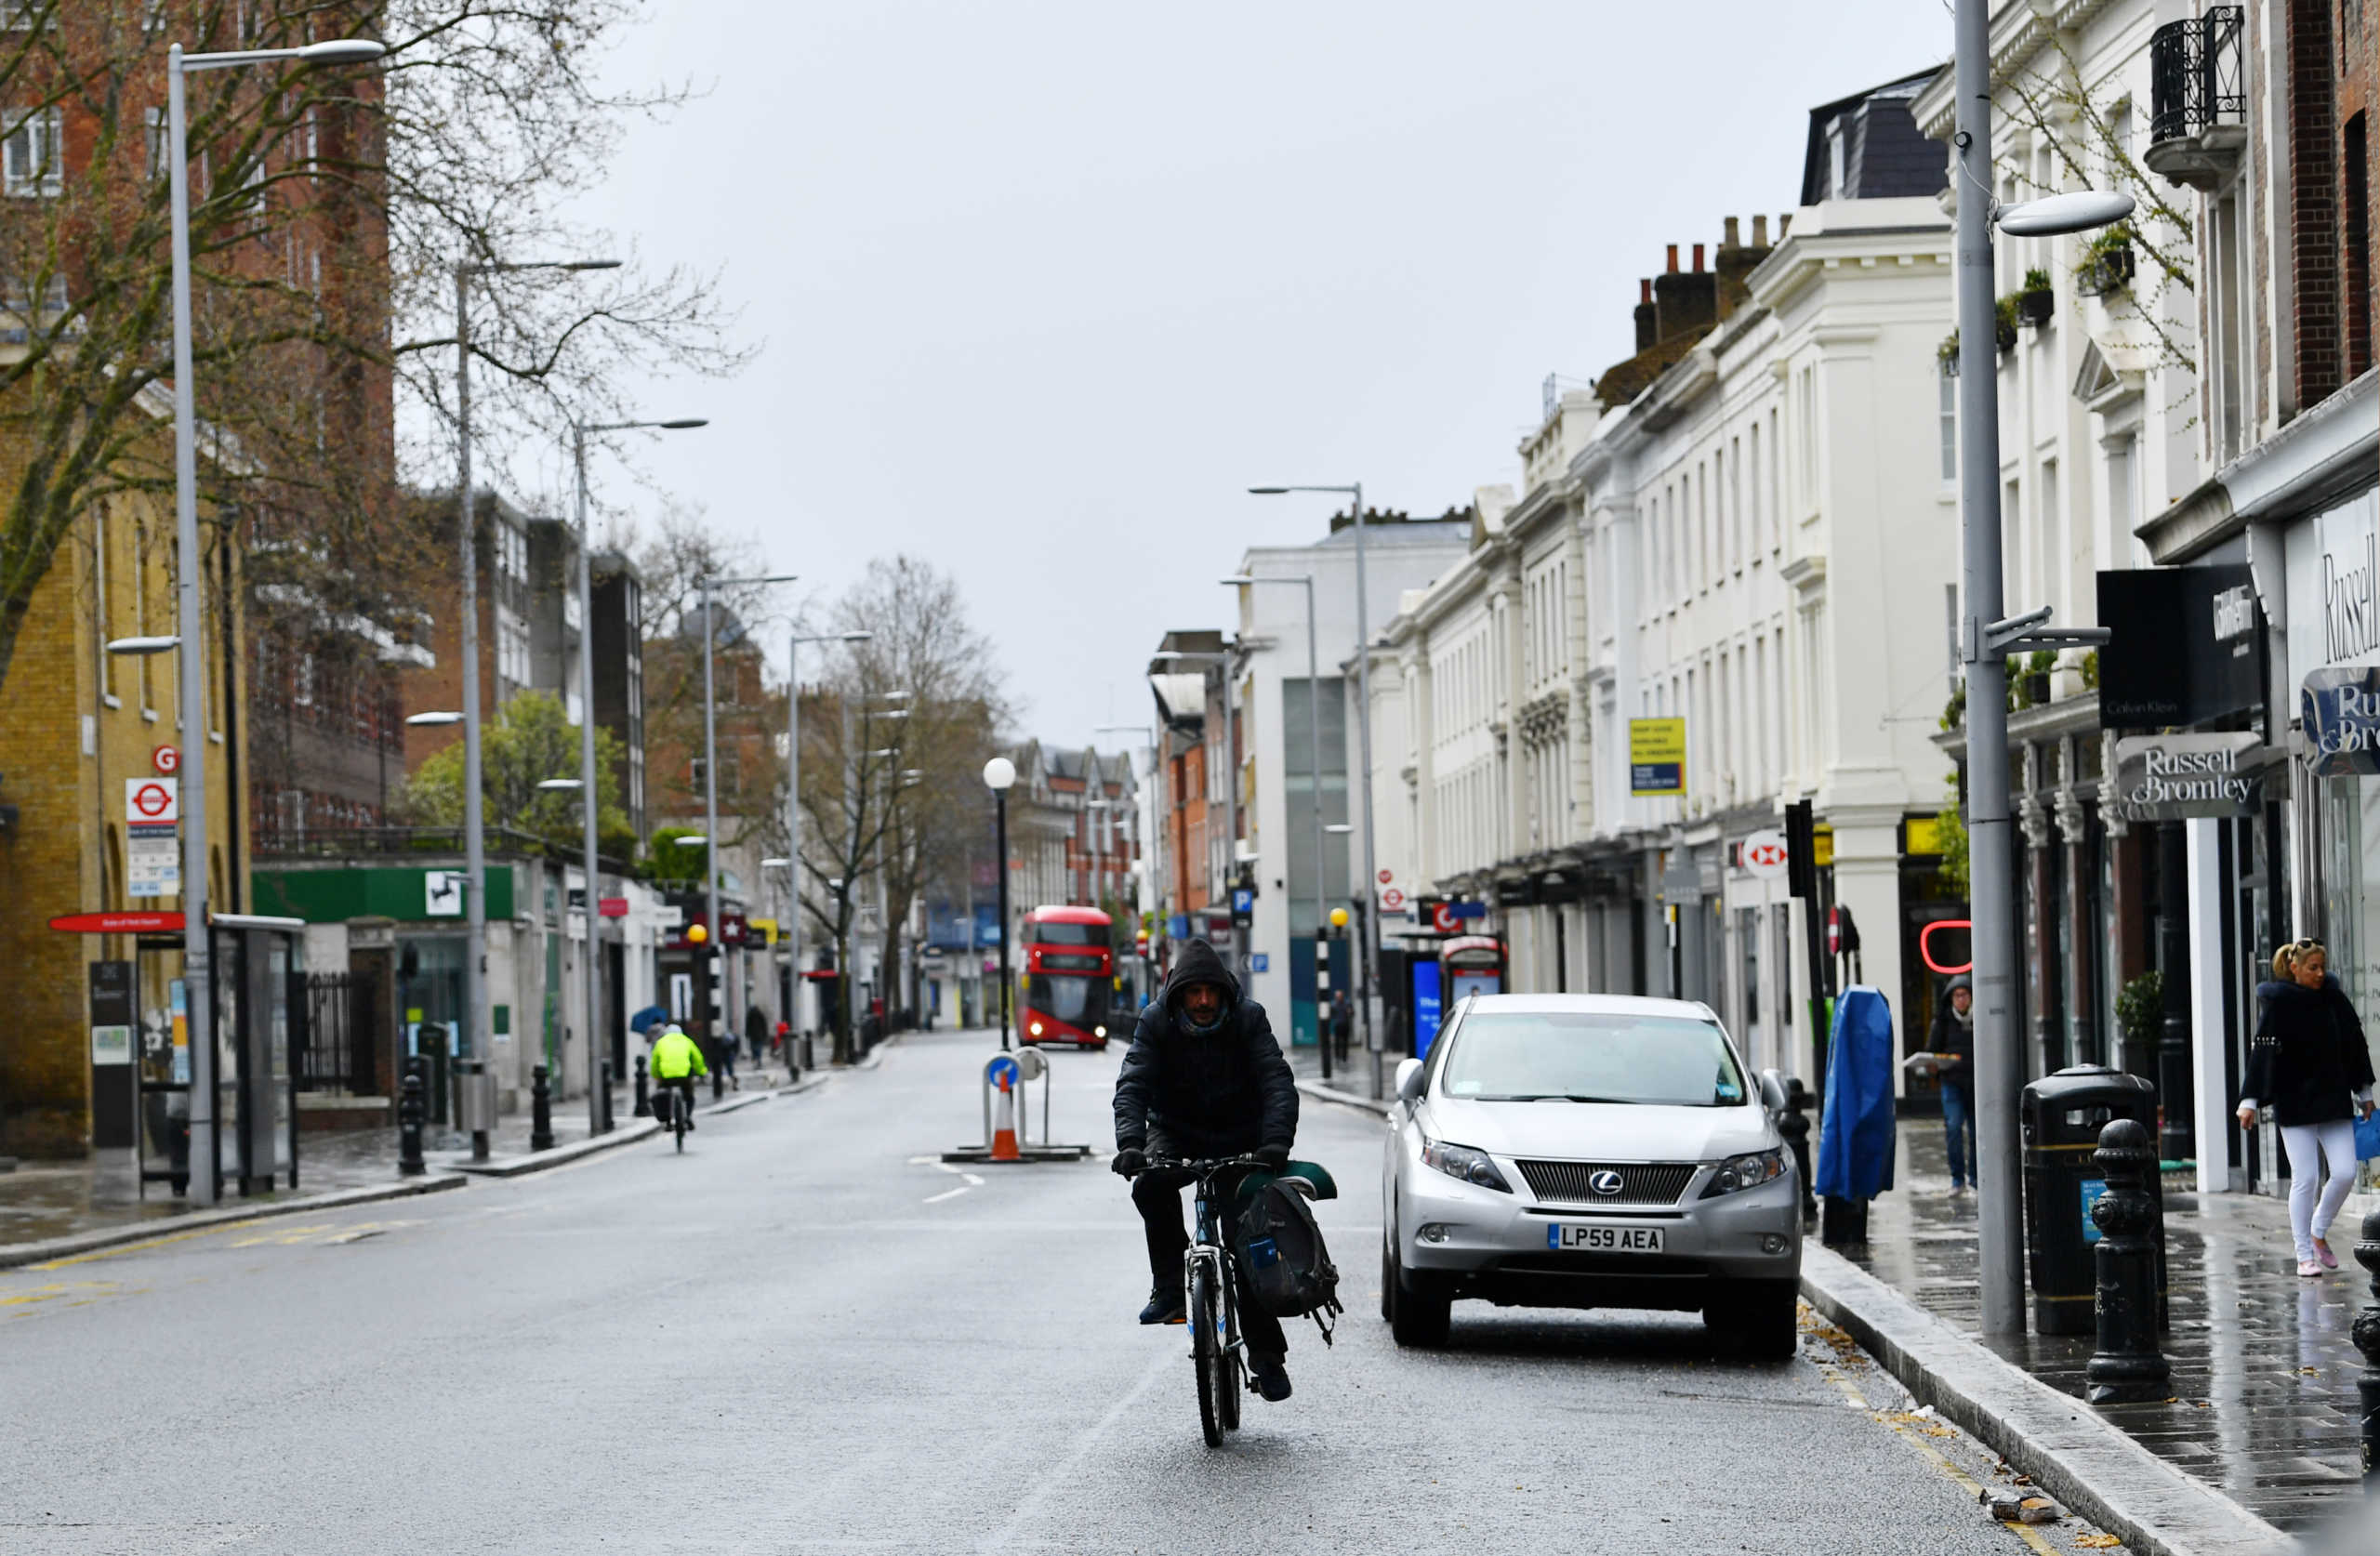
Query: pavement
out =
(807, 1333)
(2264, 1406)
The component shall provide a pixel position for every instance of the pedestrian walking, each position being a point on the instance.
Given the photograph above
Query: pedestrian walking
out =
(723, 1053)
(1952, 1041)
(2309, 1062)
(756, 1030)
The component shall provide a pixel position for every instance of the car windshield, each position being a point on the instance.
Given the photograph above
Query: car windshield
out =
(1592, 1056)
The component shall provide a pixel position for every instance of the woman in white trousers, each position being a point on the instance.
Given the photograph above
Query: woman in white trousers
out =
(2310, 1063)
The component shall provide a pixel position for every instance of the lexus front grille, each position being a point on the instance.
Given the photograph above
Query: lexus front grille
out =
(1640, 1183)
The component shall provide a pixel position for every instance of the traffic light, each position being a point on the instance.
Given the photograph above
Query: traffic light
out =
(1801, 851)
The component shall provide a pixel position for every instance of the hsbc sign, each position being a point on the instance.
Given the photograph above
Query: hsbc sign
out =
(1762, 854)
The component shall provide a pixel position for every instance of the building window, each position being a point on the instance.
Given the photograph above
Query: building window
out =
(32, 153)
(1947, 402)
(2357, 160)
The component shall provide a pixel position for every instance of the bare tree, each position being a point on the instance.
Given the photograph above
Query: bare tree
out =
(328, 211)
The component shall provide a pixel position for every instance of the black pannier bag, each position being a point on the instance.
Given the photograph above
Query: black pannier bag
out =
(1279, 1247)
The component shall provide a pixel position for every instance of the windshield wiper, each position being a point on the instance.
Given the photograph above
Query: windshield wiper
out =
(1551, 1097)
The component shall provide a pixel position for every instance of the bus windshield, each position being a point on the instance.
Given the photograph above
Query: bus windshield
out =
(1066, 934)
(1071, 1000)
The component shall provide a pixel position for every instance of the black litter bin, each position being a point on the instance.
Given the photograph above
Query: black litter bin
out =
(2062, 1115)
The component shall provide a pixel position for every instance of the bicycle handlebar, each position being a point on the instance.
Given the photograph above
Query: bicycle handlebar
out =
(1201, 1166)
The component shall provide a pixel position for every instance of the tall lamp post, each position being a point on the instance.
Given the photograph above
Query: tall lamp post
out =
(1986, 640)
(599, 1090)
(190, 660)
(793, 805)
(999, 775)
(709, 587)
(1313, 735)
(1367, 956)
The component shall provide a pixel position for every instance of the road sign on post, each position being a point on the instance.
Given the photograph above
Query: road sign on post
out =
(152, 800)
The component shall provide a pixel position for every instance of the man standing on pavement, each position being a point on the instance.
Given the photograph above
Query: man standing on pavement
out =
(756, 1031)
(1204, 1078)
(1953, 1040)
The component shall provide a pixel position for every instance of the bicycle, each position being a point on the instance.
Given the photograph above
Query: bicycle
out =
(673, 1096)
(1210, 1272)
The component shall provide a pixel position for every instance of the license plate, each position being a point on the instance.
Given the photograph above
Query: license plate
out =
(1604, 1239)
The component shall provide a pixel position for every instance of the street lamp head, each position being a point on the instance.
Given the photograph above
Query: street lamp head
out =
(1338, 918)
(342, 51)
(2077, 212)
(1268, 491)
(1236, 580)
(433, 720)
(1339, 829)
(682, 424)
(690, 840)
(589, 265)
(559, 785)
(136, 646)
(856, 638)
(999, 773)
(776, 864)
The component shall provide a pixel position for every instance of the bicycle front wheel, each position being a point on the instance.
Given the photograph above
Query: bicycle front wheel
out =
(1229, 1385)
(1206, 1345)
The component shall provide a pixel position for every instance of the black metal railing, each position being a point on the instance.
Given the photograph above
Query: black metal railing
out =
(334, 842)
(2194, 73)
(338, 1039)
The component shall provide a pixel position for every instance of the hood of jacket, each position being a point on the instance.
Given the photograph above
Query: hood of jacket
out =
(1199, 963)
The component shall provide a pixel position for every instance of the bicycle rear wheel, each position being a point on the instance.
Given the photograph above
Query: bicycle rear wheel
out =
(677, 1119)
(1205, 1343)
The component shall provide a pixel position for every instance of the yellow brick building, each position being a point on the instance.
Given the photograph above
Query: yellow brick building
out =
(75, 723)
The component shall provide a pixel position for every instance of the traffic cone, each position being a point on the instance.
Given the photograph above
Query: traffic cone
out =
(1004, 1125)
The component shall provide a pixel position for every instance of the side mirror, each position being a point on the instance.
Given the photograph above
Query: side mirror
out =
(1409, 1080)
(1772, 1093)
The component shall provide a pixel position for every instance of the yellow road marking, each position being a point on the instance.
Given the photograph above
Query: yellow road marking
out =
(139, 1247)
(1901, 1423)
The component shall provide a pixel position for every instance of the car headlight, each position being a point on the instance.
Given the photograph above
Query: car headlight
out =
(1746, 1173)
(1461, 1161)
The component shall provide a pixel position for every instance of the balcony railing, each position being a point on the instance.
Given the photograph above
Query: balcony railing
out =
(2194, 74)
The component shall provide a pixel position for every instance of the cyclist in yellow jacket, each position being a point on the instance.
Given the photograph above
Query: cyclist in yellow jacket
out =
(676, 1059)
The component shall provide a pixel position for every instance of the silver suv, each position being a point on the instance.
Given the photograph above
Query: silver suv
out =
(1589, 1151)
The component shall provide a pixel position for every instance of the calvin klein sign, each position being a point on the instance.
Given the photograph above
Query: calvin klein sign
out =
(2350, 614)
(2187, 646)
(2178, 777)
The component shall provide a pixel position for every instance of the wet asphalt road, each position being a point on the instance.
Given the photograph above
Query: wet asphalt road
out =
(799, 1337)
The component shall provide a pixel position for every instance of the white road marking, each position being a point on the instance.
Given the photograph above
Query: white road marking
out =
(946, 1194)
(1099, 1434)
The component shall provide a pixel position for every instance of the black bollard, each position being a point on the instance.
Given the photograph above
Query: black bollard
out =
(541, 1111)
(643, 1090)
(1796, 1130)
(603, 1095)
(410, 1108)
(2127, 1369)
(2366, 1335)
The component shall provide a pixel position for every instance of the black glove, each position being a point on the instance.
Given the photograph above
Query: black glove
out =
(1127, 1162)
(1274, 1157)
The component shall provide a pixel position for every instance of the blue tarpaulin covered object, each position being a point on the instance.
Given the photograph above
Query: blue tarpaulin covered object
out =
(1855, 1132)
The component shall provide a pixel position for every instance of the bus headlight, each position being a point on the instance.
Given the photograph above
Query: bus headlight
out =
(1099, 1032)
(1036, 1029)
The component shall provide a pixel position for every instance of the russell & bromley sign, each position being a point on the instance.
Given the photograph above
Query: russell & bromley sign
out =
(2174, 777)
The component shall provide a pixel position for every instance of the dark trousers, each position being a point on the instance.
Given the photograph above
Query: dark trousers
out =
(1157, 1196)
(683, 1086)
(1958, 1125)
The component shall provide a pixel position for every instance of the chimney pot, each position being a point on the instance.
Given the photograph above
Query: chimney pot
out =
(1645, 289)
(1672, 258)
(1760, 231)
(1784, 225)
(1735, 233)
(1697, 258)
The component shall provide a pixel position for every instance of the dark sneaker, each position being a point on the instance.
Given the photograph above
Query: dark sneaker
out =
(1165, 1307)
(1272, 1380)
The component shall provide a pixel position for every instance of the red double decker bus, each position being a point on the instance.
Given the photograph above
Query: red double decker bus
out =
(1069, 973)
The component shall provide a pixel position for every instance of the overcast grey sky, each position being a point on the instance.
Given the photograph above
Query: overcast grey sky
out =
(1045, 285)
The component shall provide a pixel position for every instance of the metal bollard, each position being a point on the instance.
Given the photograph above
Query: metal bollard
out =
(643, 1090)
(410, 1108)
(603, 1093)
(541, 1111)
(2127, 1369)
(1796, 1130)
(2366, 1335)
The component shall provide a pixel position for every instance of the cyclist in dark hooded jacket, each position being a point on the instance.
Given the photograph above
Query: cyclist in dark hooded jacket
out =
(1204, 1078)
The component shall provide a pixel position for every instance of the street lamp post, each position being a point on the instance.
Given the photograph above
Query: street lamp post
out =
(190, 661)
(472, 1028)
(1314, 733)
(599, 1090)
(1985, 641)
(998, 774)
(707, 586)
(1368, 956)
(793, 808)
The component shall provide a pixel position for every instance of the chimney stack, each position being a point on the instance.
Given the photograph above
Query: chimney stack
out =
(1644, 312)
(1673, 259)
(1784, 225)
(1760, 231)
(1697, 258)
(1734, 234)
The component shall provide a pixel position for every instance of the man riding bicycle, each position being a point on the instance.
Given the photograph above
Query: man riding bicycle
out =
(676, 1059)
(1204, 1078)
